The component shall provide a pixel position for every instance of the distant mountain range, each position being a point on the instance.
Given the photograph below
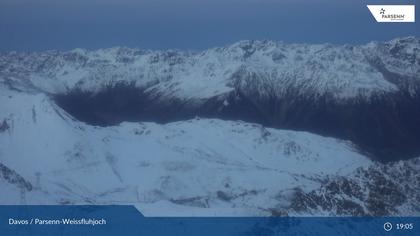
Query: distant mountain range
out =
(255, 128)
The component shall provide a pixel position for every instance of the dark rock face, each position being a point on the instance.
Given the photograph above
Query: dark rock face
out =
(385, 127)
(14, 178)
(334, 196)
(125, 102)
(122, 102)
(375, 191)
(4, 126)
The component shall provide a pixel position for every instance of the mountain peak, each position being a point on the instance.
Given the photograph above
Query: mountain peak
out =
(312, 69)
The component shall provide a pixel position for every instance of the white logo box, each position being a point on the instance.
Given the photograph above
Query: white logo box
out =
(393, 13)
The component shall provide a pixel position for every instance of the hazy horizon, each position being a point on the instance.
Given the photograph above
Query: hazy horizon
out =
(26, 25)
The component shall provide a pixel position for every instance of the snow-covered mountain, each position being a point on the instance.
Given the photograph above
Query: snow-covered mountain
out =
(367, 94)
(198, 133)
(312, 70)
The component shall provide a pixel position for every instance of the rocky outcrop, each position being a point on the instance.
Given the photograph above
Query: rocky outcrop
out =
(380, 190)
(14, 178)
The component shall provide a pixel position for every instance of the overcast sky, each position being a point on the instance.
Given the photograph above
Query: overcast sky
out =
(27, 25)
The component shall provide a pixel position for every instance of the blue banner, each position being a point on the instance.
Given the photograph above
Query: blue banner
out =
(127, 220)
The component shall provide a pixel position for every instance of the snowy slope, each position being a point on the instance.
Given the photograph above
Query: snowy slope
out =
(216, 166)
(200, 164)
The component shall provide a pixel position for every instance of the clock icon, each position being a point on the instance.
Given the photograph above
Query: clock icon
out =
(387, 226)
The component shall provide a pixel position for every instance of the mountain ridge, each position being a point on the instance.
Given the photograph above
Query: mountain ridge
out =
(341, 70)
(367, 94)
(196, 167)
(175, 135)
